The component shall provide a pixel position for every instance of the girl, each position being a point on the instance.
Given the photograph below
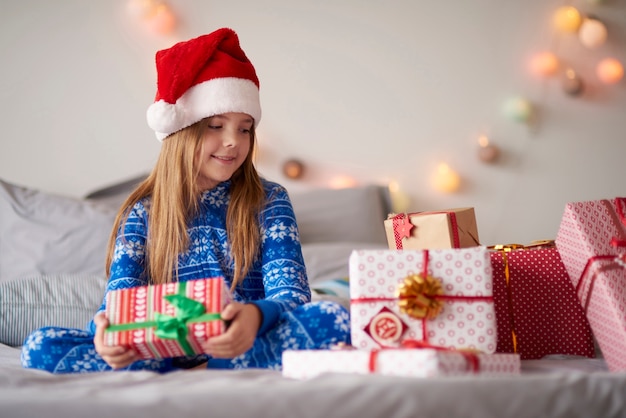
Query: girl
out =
(205, 212)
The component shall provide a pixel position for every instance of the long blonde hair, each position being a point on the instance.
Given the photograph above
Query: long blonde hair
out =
(174, 202)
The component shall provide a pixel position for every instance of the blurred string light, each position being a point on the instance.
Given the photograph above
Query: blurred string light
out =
(445, 179)
(155, 15)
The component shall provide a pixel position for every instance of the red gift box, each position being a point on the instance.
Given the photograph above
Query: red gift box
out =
(537, 311)
(166, 320)
(592, 242)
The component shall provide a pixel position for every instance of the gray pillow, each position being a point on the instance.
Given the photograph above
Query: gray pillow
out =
(342, 215)
(68, 301)
(42, 233)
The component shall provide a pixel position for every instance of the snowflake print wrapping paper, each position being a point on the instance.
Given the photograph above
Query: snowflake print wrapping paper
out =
(592, 243)
(467, 318)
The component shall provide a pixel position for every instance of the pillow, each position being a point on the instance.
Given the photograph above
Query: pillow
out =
(329, 260)
(342, 215)
(115, 194)
(68, 301)
(43, 234)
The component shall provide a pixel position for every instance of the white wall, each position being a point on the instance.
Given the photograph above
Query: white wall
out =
(375, 90)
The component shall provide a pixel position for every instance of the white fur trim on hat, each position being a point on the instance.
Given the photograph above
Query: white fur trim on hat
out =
(210, 98)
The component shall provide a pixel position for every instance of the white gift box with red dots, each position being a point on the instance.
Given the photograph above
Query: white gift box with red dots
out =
(467, 319)
(409, 362)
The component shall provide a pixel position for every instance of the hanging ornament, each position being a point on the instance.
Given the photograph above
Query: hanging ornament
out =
(610, 71)
(293, 169)
(544, 64)
(487, 152)
(567, 19)
(518, 109)
(571, 83)
(445, 179)
(592, 33)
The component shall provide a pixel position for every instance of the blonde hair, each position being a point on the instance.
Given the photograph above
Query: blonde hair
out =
(174, 202)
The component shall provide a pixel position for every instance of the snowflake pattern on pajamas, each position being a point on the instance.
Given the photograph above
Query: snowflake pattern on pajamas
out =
(278, 278)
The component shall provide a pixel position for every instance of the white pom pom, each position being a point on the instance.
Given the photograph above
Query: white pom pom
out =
(165, 117)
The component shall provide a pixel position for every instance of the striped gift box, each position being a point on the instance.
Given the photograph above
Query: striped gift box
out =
(166, 320)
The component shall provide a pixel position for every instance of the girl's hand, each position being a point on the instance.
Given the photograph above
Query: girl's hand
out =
(116, 357)
(239, 337)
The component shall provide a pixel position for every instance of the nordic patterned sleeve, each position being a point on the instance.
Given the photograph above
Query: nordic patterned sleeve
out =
(284, 273)
(127, 265)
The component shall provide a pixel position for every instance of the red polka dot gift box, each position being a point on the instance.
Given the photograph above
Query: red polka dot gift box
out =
(439, 297)
(592, 242)
(451, 228)
(537, 311)
(409, 362)
(166, 320)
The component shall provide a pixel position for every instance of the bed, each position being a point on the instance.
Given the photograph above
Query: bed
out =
(51, 263)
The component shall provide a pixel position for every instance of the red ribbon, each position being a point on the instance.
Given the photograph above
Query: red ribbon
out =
(472, 360)
(440, 297)
(456, 242)
(615, 242)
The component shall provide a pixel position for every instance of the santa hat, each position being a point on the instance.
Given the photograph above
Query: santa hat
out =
(205, 76)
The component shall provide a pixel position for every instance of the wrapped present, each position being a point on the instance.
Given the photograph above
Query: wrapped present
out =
(441, 297)
(452, 228)
(537, 311)
(592, 242)
(166, 320)
(413, 362)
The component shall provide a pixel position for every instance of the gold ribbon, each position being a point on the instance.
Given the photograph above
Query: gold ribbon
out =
(505, 248)
(418, 296)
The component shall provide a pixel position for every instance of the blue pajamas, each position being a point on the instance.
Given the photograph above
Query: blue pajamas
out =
(276, 283)
(314, 325)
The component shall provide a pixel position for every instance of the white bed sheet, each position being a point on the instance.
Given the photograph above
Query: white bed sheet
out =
(547, 388)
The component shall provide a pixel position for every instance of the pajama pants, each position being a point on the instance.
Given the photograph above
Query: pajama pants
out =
(315, 325)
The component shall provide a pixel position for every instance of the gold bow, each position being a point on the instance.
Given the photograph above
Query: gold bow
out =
(417, 296)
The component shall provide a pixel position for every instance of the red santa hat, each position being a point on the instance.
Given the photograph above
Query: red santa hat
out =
(205, 76)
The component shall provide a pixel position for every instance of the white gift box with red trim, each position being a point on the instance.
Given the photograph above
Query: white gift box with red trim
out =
(305, 364)
(466, 316)
(592, 243)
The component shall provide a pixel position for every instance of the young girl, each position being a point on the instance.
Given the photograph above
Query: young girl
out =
(205, 212)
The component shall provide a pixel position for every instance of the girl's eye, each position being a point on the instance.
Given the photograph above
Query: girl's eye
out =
(214, 126)
(245, 131)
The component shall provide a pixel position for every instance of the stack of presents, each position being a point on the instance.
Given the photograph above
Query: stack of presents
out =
(436, 303)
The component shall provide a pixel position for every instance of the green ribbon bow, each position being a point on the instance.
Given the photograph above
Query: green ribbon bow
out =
(173, 327)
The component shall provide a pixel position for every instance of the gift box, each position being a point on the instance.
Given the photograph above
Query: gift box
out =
(592, 242)
(537, 311)
(452, 228)
(440, 297)
(304, 364)
(166, 320)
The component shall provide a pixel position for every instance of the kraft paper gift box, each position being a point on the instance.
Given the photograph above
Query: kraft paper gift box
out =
(592, 242)
(451, 228)
(537, 311)
(440, 297)
(305, 364)
(166, 320)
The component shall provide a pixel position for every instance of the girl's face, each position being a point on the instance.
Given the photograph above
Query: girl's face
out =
(225, 146)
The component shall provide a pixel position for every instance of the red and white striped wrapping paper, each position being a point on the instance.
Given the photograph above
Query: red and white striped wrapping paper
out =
(592, 243)
(468, 318)
(305, 364)
(139, 304)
